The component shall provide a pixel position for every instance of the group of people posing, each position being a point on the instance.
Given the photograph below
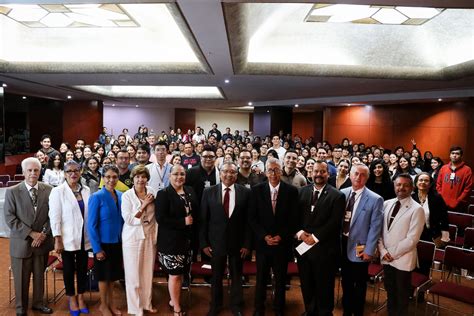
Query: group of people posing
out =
(329, 215)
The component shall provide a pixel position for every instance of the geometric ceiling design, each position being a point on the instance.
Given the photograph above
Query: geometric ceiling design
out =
(274, 38)
(127, 37)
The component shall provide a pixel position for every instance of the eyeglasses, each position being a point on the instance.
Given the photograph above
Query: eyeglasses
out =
(208, 157)
(178, 174)
(274, 171)
(73, 171)
(111, 177)
(231, 172)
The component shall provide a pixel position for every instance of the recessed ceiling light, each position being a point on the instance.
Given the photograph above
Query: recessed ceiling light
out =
(23, 97)
(4, 85)
(297, 105)
(439, 100)
(147, 92)
(348, 104)
(69, 97)
(136, 105)
(250, 103)
(113, 104)
(227, 81)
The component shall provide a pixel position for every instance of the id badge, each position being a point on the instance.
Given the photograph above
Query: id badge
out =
(359, 250)
(452, 176)
(207, 184)
(161, 186)
(247, 186)
(312, 208)
(190, 166)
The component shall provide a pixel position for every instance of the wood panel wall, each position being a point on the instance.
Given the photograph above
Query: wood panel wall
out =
(434, 126)
(308, 124)
(185, 119)
(82, 119)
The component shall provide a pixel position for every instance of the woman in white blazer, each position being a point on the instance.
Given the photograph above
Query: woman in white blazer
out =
(139, 241)
(68, 214)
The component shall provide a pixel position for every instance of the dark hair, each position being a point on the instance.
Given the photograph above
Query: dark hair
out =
(51, 161)
(208, 148)
(144, 147)
(455, 148)
(406, 176)
(385, 173)
(121, 135)
(290, 151)
(114, 168)
(439, 160)
(273, 153)
(245, 151)
(123, 151)
(343, 160)
(45, 136)
(323, 148)
(424, 174)
(160, 143)
(86, 163)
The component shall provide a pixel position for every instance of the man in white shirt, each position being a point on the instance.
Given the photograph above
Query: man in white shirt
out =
(159, 170)
(276, 146)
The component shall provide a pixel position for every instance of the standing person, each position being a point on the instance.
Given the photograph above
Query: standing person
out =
(174, 207)
(361, 229)
(273, 216)
(91, 174)
(68, 210)
(54, 174)
(341, 180)
(189, 158)
(379, 180)
(225, 235)
(290, 174)
(454, 181)
(143, 156)
(26, 214)
(248, 177)
(321, 209)
(276, 146)
(105, 231)
(402, 226)
(215, 132)
(139, 241)
(159, 170)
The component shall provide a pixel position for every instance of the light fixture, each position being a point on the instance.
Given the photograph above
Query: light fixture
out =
(439, 100)
(23, 97)
(69, 97)
(297, 105)
(178, 92)
(113, 104)
(136, 105)
(4, 85)
(371, 14)
(227, 81)
(250, 103)
(56, 20)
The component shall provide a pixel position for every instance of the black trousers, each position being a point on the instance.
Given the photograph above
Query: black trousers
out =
(278, 263)
(317, 275)
(75, 263)
(354, 283)
(219, 264)
(398, 286)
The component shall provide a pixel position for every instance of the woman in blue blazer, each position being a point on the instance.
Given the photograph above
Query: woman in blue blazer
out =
(105, 229)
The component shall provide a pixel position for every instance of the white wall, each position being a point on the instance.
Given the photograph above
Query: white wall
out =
(234, 120)
(118, 118)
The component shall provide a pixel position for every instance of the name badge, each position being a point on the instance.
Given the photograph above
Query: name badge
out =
(312, 208)
(452, 176)
(207, 184)
(247, 186)
(190, 166)
(161, 186)
(347, 217)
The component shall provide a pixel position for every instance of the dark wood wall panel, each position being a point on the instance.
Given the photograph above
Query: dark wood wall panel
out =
(185, 119)
(82, 119)
(45, 117)
(434, 126)
(308, 124)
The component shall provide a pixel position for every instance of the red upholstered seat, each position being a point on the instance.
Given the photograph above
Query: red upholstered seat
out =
(418, 279)
(249, 268)
(292, 269)
(375, 269)
(439, 255)
(454, 291)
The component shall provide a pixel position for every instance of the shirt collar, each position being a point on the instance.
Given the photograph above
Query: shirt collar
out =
(232, 187)
(28, 187)
(274, 188)
(405, 200)
(320, 190)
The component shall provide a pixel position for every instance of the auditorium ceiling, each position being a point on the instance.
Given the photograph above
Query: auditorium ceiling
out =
(232, 54)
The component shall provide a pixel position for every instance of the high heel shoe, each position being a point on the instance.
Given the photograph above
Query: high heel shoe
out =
(74, 313)
(84, 310)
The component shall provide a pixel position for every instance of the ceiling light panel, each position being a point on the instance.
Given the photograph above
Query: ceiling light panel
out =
(69, 15)
(175, 92)
(371, 14)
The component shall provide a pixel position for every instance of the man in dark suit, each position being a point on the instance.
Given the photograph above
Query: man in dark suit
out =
(321, 208)
(272, 218)
(225, 235)
(26, 214)
(361, 229)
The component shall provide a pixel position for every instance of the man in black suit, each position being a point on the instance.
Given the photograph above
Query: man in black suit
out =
(321, 208)
(225, 235)
(272, 218)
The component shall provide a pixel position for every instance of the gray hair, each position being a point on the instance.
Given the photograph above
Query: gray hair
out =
(360, 165)
(29, 160)
(273, 160)
(71, 163)
(229, 163)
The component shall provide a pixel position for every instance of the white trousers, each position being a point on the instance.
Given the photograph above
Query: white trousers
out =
(139, 261)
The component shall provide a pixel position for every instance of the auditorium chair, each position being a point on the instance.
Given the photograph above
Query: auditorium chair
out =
(469, 238)
(457, 264)
(462, 221)
(439, 253)
(4, 178)
(18, 177)
(419, 280)
(12, 183)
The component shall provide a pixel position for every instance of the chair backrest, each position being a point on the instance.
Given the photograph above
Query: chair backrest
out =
(1, 185)
(453, 232)
(460, 258)
(469, 238)
(426, 251)
(12, 183)
(470, 209)
(461, 220)
(4, 178)
(18, 177)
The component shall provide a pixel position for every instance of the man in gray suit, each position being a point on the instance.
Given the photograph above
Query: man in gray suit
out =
(26, 214)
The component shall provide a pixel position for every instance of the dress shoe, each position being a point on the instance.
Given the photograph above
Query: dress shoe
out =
(42, 309)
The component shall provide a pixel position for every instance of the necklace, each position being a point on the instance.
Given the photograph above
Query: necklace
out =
(422, 197)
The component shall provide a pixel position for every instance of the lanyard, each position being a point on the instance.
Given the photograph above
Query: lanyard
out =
(162, 177)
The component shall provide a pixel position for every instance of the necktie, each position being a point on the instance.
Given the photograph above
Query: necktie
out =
(394, 213)
(274, 199)
(226, 202)
(348, 215)
(34, 196)
(315, 197)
